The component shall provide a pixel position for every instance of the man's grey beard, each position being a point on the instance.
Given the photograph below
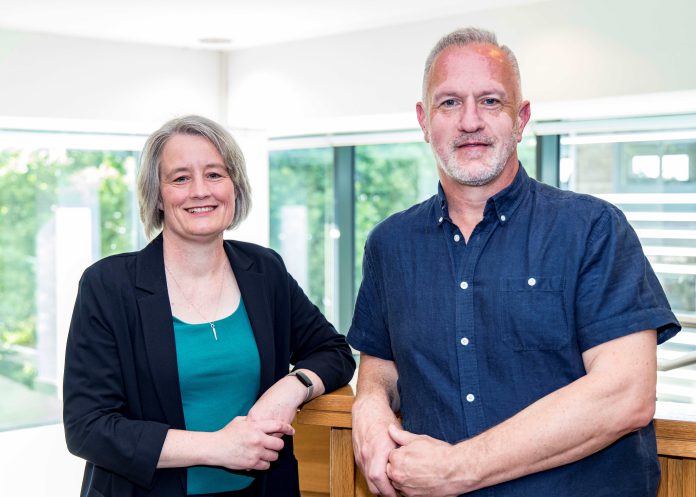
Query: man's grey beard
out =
(465, 175)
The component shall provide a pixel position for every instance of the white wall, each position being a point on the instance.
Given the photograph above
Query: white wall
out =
(35, 463)
(256, 227)
(567, 49)
(48, 76)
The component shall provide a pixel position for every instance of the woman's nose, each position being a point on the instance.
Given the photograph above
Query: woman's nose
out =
(199, 188)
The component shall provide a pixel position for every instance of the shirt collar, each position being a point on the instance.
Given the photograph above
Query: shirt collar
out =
(506, 201)
(503, 204)
(442, 213)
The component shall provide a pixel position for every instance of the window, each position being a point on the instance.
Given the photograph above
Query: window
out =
(63, 205)
(388, 178)
(651, 177)
(526, 152)
(301, 219)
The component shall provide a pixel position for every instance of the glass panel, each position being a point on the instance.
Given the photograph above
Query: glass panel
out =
(654, 182)
(526, 152)
(388, 178)
(301, 220)
(60, 210)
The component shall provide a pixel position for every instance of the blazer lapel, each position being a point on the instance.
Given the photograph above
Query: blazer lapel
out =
(158, 330)
(254, 289)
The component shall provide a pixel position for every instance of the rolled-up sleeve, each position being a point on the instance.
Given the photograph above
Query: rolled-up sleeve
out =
(94, 397)
(618, 292)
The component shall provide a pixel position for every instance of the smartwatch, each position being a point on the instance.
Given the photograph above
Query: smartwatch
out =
(304, 379)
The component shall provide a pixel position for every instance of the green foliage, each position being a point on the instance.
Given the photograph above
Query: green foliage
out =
(34, 183)
(388, 179)
(526, 153)
(304, 178)
(15, 366)
(27, 194)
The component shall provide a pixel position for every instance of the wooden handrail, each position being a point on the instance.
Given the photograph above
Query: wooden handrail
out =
(676, 446)
(332, 409)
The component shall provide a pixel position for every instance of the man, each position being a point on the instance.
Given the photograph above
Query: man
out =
(513, 325)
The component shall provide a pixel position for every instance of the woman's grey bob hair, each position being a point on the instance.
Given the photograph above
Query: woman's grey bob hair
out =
(149, 197)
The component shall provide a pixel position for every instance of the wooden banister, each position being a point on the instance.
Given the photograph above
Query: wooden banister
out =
(324, 434)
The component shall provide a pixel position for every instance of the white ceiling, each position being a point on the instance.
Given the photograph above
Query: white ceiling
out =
(247, 23)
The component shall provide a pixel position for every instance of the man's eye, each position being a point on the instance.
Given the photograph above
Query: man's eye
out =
(450, 102)
(490, 101)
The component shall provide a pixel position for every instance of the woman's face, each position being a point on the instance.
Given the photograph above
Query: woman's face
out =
(197, 191)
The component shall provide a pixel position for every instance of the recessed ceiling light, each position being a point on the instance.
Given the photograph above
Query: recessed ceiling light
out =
(215, 40)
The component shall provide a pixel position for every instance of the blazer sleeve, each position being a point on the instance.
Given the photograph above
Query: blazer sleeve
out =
(95, 400)
(315, 343)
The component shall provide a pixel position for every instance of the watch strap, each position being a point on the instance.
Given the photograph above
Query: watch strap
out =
(306, 381)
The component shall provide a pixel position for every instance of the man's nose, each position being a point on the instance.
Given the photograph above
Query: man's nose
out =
(470, 120)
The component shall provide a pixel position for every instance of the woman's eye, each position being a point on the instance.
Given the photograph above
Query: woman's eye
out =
(179, 179)
(215, 175)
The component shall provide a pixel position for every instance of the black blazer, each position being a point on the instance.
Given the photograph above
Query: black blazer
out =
(121, 385)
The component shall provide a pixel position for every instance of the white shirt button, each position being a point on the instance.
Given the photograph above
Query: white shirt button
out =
(470, 397)
(464, 285)
(439, 220)
(464, 341)
(503, 218)
(457, 238)
(531, 281)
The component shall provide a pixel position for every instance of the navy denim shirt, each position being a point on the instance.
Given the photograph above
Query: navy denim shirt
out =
(480, 330)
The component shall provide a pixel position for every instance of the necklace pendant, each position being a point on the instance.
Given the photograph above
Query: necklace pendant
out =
(212, 327)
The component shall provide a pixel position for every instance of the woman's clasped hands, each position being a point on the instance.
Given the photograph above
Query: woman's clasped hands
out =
(246, 443)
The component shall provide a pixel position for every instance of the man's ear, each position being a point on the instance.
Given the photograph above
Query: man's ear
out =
(422, 115)
(523, 116)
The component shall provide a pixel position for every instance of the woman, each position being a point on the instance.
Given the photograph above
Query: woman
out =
(176, 371)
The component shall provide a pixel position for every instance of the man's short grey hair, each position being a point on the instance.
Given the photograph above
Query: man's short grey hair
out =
(149, 195)
(469, 36)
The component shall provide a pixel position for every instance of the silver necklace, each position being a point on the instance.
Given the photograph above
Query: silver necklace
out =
(190, 302)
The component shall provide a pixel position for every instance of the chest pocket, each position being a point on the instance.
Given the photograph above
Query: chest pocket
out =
(532, 314)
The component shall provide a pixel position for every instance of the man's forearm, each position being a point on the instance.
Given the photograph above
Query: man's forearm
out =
(374, 410)
(614, 398)
(377, 381)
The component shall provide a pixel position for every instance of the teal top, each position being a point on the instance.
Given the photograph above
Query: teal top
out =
(219, 381)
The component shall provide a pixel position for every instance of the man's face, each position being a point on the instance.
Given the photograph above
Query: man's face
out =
(473, 116)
